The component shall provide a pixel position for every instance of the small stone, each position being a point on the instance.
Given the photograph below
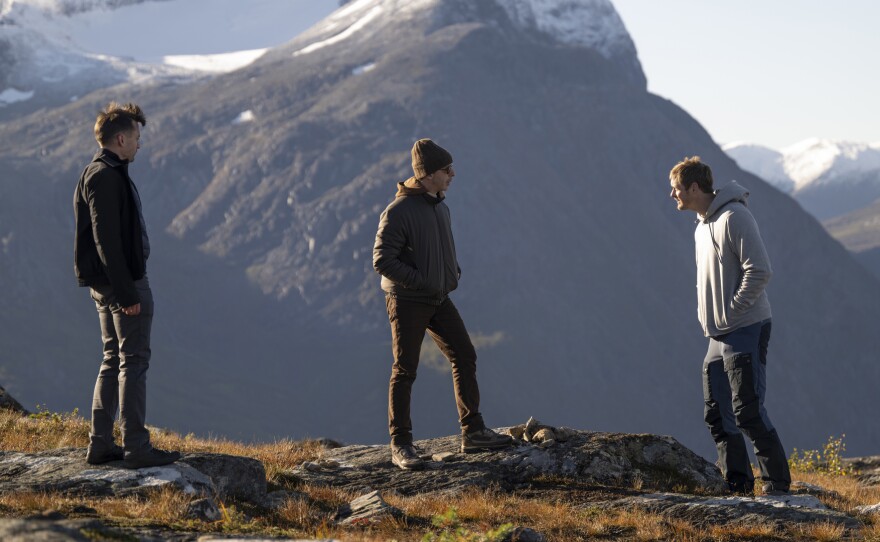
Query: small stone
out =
(83, 509)
(869, 509)
(524, 534)
(532, 427)
(517, 431)
(202, 509)
(543, 435)
(329, 444)
(443, 457)
(367, 509)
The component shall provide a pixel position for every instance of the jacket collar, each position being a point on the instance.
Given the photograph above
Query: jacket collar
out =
(110, 158)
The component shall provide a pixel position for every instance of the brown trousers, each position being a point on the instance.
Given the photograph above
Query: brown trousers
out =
(409, 321)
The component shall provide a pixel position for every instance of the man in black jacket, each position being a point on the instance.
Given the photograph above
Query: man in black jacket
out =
(415, 254)
(110, 254)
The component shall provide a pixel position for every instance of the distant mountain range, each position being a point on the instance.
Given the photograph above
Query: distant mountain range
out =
(262, 189)
(829, 178)
(54, 51)
(838, 182)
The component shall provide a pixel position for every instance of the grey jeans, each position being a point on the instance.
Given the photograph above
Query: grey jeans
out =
(734, 387)
(122, 379)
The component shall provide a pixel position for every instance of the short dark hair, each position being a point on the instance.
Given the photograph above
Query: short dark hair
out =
(117, 118)
(692, 170)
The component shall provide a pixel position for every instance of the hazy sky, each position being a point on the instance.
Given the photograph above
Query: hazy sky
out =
(773, 72)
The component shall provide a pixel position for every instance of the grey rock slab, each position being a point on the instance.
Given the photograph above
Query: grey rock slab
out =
(705, 511)
(76, 530)
(65, 470)
(615, 459)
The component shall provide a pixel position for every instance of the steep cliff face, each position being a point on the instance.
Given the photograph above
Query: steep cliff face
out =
(262, 190)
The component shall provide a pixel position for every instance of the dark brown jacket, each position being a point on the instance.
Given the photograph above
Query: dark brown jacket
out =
(108, 244)
(414, 250)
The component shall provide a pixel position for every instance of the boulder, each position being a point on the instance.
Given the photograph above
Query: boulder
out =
(8, 402)
(65, 470)
(236, 477)
(656, 462)
(707, 511)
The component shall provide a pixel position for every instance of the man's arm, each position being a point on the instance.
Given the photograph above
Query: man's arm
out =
(743, 234)
(390, 242)
(104, 193)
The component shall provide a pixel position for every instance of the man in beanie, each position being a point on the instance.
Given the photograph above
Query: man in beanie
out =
(415, 254)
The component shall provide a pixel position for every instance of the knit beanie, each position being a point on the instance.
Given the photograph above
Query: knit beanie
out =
(428, 157)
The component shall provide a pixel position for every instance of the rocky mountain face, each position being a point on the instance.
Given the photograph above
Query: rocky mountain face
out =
(262, 190)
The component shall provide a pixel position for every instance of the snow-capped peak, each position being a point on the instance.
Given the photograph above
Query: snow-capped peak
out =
(807, 162)
(592, 23)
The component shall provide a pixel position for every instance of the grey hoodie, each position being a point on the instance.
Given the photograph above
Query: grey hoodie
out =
(732, 265)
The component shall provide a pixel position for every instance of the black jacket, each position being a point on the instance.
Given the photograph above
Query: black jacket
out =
(108, 243)
(414, 249)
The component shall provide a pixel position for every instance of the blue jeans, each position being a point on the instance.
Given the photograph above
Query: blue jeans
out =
(734, 387)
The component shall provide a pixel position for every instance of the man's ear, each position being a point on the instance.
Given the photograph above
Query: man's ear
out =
(120, 139)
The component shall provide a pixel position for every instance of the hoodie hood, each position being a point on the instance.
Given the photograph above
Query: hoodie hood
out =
(412, 187)
(731, 192)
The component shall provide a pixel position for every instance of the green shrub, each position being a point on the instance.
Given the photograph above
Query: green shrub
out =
(828, 460)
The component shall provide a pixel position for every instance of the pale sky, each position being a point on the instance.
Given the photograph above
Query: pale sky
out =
(773, 72)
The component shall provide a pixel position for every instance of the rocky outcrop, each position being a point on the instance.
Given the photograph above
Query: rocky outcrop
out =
(66, 471)
(618, 459)
(8, 402)
(867, 469)
(702, 511)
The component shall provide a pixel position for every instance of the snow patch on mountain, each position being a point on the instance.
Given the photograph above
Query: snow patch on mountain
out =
(219, 63)
(11, 96)
(348, 32)
(809, 162)
(591, 23)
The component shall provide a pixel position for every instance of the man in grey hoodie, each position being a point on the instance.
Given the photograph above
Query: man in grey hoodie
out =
(732, 273)
(415, 254)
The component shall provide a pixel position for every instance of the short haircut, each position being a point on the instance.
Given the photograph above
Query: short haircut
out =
(117, 118)
(692, 170)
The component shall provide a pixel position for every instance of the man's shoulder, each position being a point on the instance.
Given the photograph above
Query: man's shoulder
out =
(98, 174)
(404, 204)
